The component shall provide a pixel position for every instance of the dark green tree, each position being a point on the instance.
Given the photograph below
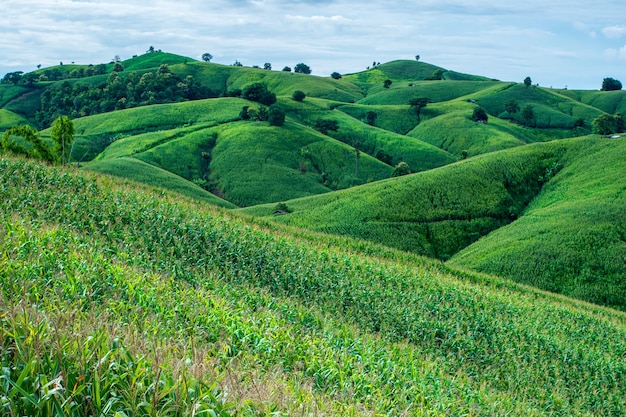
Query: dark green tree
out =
(62, 133)
(418, 103)
(267, 66)
(511, 107)
(480, 115)
(207, 57)
(528, 114)
(335, 76)
(298, 95)
(259, 93)
(118, 67)
(325, 125)
(611, 84)
(12, 77)
(370, 118)
(387, 83)
(276, 116)
(302, 68)
(528, 81)
(286, 69)
(244, 113)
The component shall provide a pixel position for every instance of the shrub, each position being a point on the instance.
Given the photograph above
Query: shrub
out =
(298, 95)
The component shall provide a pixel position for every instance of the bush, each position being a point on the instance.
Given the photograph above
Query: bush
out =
(298, 95)
(259, 93)
(276, 116)
(401, 169)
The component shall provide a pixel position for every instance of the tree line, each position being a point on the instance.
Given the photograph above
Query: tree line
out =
(119, 91)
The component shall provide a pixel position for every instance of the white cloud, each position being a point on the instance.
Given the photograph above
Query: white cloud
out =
(338, 19)
(614, 32)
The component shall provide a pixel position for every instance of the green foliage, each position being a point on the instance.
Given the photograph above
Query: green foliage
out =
(401, 169)
(62, 134)
(611, 84)
(298, 95)
(302, 68)
(33, 147)
(335, 76)
(528, 115)
(480, 115)
(607, 124)
(136, 304)
(326, 125)
(387, 83)
(259, 93)
(528, 81)
(276, 116)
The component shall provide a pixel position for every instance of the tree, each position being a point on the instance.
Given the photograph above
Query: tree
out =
(611, 84)
(62, 133)
(298, 95)
(325, 125)
(150, 50)
(401, 169)
(387, 83)
(38, 150)
(480, 115)
(511, 107)
(118, 67)
(335, 76)
(417, 57)
(244, 114)
(12, 77)
(302, 68)
(237, 63)
(528, 114)
(267, 66)
(259, 93)
(370, 118)
(286, 69)
(607, 124)
(527, 82)
(276, 116)
(418, 103)
(207, 57)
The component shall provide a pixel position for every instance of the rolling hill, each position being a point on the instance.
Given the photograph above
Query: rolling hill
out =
(176, 123)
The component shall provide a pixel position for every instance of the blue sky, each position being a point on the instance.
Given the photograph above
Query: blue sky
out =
(557, 43)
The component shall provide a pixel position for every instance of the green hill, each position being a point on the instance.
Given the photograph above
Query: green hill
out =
(122, 301)
(572, 238)
(440, 212)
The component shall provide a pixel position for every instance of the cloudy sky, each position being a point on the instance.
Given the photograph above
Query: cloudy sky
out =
(557, 43)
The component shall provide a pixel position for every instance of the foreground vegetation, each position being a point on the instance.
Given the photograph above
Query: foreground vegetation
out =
(121, 300)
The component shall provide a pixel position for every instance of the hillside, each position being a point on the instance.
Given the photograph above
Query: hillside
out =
(117, 299)
(549, 215)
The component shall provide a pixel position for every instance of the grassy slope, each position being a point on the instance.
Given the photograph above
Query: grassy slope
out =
(8, 119)
(572, 239)
(135, 170)
(435, 213)
(218, 310)
(254, 163)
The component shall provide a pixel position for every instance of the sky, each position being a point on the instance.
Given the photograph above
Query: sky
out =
(561, 44)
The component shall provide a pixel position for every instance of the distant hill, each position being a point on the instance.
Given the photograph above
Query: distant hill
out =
(184, 125)
(550, 215)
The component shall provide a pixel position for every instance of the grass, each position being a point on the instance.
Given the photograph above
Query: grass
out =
(437, 91)
(434, 213)
(136, 170)
(118, 300)
(571, 239)
(9, 119)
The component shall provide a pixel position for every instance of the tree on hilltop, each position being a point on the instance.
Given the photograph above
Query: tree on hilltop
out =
(302, 68)
(528, 81)
(335, 76)
(611, 84)
(207, 57)
(267, 66)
